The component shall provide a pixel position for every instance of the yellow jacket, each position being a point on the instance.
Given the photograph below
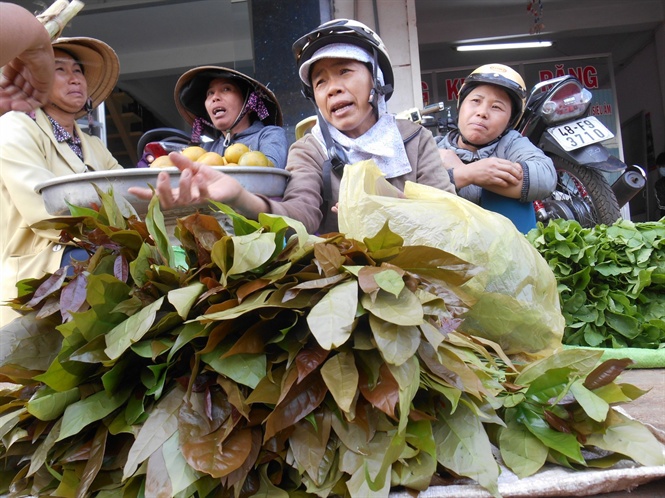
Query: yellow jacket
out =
(29, 155)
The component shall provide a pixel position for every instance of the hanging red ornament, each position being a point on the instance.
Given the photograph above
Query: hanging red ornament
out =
(535, 7)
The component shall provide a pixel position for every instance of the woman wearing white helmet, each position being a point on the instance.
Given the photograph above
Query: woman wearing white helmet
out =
(345, 70)
(484, 153)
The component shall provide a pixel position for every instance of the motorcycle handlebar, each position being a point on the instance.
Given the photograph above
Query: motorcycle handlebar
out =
(432, 108)
(416, 115)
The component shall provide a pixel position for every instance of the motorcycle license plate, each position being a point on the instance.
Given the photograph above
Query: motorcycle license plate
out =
(576, 134)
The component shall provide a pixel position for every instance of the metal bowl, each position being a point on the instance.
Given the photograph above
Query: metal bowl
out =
(78, 189)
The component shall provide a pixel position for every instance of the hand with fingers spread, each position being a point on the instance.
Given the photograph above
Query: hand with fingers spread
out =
(199, 183)
(27, 59)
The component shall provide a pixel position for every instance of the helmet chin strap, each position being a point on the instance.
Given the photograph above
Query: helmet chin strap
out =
(377, 89)
(480, 146)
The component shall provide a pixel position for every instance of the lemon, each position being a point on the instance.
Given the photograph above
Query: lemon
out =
(193, 152)
(234, 151)
(254, 158)
(161, 162)
(211, 159)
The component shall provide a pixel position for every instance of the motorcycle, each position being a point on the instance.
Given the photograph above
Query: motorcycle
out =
(159, 142)
(426, 117)
(556, 119)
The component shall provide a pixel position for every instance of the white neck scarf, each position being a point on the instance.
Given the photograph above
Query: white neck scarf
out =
(382, 142)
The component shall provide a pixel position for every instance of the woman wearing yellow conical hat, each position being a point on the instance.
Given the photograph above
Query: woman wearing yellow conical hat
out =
(45, 144)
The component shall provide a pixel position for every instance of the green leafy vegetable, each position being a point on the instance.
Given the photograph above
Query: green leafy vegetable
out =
(611, 281)
(280, 364)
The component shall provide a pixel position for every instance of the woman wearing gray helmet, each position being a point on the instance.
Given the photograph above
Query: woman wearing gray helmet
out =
(484, 156)
(345, 71)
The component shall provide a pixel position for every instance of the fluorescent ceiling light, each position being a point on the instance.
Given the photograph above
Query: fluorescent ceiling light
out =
(502, 46)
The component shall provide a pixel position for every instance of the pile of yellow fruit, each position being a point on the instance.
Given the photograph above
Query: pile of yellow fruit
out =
(236, 154)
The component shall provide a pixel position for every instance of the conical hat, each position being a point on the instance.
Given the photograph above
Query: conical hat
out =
(100, 66)
(191, 88)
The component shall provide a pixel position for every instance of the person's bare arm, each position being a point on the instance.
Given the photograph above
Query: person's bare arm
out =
(27, 56)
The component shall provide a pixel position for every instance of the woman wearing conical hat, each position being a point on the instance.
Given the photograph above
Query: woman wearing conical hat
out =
(45, 144)
(231, 107)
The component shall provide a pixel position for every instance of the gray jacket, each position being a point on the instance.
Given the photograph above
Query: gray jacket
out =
(303, 199)
(271, 140)
(539, 178)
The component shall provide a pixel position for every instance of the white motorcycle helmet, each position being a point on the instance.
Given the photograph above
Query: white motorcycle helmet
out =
(351, 32)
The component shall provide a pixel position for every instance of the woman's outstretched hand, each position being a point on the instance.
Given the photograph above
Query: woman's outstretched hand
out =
(197, 185)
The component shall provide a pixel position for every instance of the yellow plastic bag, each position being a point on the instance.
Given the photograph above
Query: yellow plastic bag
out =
(517, 298)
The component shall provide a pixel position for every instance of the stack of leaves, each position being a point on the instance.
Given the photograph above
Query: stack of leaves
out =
(279, 364)
(611, 281)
